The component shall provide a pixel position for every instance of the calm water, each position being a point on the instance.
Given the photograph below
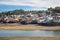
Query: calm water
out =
(20, 33)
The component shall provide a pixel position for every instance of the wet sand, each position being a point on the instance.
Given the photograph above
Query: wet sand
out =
(15, 26)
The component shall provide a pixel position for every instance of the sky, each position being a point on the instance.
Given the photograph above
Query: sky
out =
(7, 5)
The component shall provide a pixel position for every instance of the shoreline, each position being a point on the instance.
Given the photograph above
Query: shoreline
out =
(28, 27)
(30, 38)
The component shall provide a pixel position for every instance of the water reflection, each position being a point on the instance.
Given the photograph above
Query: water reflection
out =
(21, 33)
(56, 33)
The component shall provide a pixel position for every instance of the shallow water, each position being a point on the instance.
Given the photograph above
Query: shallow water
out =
(21, 33)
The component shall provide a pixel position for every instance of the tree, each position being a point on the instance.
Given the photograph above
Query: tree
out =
(54, 10)
(57, 9)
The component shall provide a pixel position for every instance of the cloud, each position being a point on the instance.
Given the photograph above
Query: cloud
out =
(32, 3)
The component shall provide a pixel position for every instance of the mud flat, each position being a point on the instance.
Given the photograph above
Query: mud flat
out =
(31, 38)
(27, 27)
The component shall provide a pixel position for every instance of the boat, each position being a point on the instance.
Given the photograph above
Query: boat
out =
(48, 21)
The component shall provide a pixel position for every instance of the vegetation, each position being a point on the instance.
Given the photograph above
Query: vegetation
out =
(54, 10)
(21, 11)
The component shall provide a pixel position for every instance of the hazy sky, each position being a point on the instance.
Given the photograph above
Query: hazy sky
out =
(6, 5)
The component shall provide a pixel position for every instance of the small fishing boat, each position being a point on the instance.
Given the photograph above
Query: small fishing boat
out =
(48, 20)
